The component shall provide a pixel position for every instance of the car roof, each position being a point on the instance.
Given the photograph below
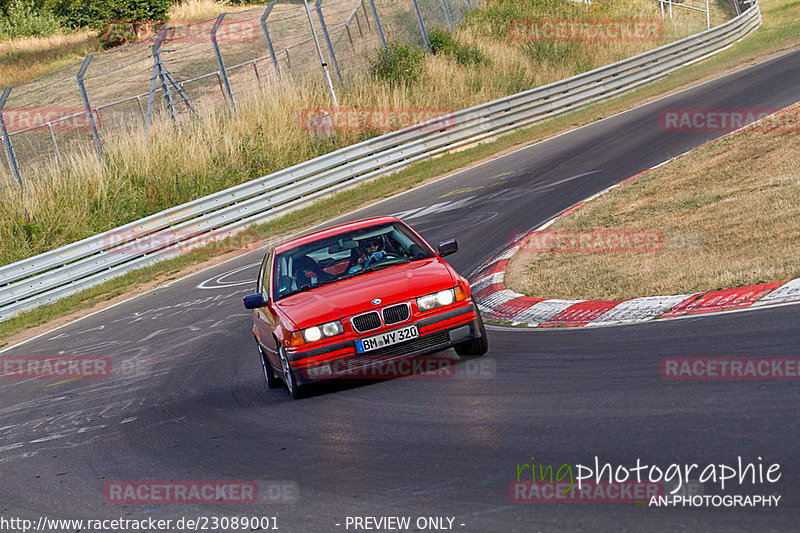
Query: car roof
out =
(333, 231)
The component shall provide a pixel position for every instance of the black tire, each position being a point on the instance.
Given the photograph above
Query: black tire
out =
(295, 391)
(476, 347)
(269, 373)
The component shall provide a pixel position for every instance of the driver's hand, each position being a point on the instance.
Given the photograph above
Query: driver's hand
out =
(377, 256)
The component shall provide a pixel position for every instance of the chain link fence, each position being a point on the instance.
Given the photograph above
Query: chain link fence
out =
(175, 72)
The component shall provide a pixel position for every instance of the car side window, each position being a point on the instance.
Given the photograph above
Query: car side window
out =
(263, 277)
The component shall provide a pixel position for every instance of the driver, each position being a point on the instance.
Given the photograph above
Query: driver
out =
(370, 251)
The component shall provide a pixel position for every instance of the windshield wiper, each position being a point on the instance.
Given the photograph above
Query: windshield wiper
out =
(390, 262)
(298, 290)
(309, 286)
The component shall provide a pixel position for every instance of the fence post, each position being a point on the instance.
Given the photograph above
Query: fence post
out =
(358, 23)
(55, 144)
(366, 15)
(378, 24)
(158, 74)
(141, 111)
(324, 26)
(87, 106)
(12, 158)
(269, 39)
(325, 72)
(185, 97)
(220, 61)
(164, 86)
(422, 26)
(447, 15)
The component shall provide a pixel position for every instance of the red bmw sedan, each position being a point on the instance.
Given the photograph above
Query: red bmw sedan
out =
(357, 295)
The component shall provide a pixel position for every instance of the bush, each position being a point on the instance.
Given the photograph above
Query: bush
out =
(443, 42)
(398, 65)
(24, 18)
(97, 13)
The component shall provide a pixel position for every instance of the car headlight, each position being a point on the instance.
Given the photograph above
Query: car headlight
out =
(330, 329)
(437, 299)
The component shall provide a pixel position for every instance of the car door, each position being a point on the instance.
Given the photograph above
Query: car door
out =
(266, 320)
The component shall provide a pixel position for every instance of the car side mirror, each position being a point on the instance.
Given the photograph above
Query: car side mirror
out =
(448, 247)
(254, 301)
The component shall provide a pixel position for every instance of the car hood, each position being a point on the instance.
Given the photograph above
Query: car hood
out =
(354, 295)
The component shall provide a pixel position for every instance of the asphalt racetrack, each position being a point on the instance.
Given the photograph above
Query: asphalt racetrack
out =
(194, 405)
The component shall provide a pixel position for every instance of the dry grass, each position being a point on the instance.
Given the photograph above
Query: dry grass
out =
(728, 213)
(142, 176)
(27, 58)
(194, 10)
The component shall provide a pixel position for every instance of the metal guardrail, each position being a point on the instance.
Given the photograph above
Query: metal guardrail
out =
(54, 275)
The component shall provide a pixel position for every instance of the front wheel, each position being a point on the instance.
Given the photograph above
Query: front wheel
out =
(295, 390)
(269, 373)
(475, 347)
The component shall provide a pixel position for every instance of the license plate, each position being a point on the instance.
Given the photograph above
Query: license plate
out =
(387, 339)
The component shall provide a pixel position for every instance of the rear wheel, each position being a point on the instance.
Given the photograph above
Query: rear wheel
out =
(295, 390)
(269, 373)
(475, 347)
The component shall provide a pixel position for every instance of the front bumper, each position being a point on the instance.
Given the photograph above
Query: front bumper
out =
(341, 360)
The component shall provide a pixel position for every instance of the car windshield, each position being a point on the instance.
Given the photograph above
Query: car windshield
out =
(345, 255)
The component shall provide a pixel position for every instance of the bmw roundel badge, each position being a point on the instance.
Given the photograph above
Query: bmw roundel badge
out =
(376, 301)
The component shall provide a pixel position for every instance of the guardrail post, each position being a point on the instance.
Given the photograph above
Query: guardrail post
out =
(87, 106)
(446, 10)
(708, 15)
(378, 24)
(324, 26)
(12, 157)
(422, 29)
(269, 39)
(220, 62)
